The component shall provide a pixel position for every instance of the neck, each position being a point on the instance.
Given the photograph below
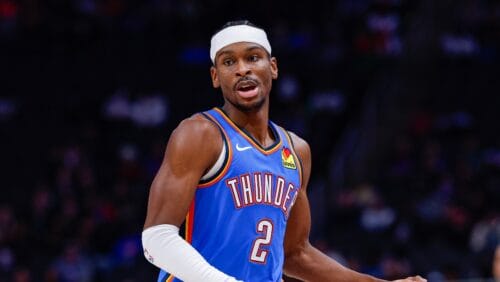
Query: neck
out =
(256, 123)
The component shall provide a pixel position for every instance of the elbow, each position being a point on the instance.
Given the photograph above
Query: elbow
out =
(288, 268)
(294, 261)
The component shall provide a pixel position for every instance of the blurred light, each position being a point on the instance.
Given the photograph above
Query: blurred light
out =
(7, 108)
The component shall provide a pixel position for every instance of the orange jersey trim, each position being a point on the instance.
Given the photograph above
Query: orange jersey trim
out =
(248, 138)
(190, 223)
(229, 157)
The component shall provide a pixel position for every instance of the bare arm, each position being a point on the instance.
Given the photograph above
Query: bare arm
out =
(302, 260)
(191, 150)
(193, 147)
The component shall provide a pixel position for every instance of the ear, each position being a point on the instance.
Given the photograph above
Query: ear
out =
(215, 77)
(274, 67)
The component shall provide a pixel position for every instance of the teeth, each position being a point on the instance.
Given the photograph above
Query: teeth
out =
(246, 88)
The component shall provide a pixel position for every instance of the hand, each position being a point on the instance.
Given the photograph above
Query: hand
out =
(417, 278)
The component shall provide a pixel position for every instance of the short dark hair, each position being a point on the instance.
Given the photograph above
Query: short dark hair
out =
(237, 22)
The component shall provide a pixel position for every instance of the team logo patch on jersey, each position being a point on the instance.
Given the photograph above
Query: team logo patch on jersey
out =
(287, 158)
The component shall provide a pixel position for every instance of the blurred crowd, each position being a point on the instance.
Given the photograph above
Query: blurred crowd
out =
(397, 98)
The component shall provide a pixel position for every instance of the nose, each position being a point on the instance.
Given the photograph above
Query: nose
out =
(242, 68)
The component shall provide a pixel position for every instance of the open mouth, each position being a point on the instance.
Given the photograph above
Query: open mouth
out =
(247, 88)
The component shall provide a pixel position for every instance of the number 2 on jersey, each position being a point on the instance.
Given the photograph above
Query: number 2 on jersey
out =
(258, 254)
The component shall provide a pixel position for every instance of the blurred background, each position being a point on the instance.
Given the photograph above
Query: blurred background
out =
(398, 99)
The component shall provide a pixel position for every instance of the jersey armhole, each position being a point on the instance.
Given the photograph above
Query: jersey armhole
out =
(289, 137)
(222, 160)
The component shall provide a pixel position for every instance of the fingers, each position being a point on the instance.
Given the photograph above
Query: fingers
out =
(418, 278)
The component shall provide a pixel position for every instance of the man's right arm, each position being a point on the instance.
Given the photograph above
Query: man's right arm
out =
(192, 149)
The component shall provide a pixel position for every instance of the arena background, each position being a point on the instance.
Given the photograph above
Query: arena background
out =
(398, 99)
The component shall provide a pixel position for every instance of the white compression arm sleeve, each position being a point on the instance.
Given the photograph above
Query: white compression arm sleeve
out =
(164, 248)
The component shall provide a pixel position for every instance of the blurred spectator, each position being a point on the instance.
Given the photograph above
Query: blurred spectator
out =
(486, 234)
(71, 265)
(376, 216)
(459, 45)
(8, 108)
(148, 110)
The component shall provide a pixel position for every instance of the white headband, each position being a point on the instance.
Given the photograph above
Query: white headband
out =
(238, 33)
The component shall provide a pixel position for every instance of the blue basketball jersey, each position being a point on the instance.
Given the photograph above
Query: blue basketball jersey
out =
(237, 219)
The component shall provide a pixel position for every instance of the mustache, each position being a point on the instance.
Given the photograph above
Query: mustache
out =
(243, 79)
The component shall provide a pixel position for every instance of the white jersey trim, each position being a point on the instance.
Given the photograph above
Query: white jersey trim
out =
(217, 165)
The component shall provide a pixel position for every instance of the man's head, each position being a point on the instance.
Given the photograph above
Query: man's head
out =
(242, 65)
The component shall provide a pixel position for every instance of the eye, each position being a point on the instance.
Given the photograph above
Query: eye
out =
(228, 62)
(253, 58)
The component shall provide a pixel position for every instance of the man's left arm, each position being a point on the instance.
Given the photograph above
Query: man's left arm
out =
(302, 260)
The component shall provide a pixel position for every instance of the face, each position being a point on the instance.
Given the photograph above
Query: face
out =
(244, 72)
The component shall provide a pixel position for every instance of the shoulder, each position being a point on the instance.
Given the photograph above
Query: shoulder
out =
(197, 133)
(199, 122)
(197, 125)
(301, 146)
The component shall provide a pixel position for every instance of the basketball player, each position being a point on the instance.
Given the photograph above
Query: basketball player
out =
(238, 181)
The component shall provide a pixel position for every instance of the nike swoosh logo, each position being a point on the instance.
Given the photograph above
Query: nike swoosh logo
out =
(241, 149)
